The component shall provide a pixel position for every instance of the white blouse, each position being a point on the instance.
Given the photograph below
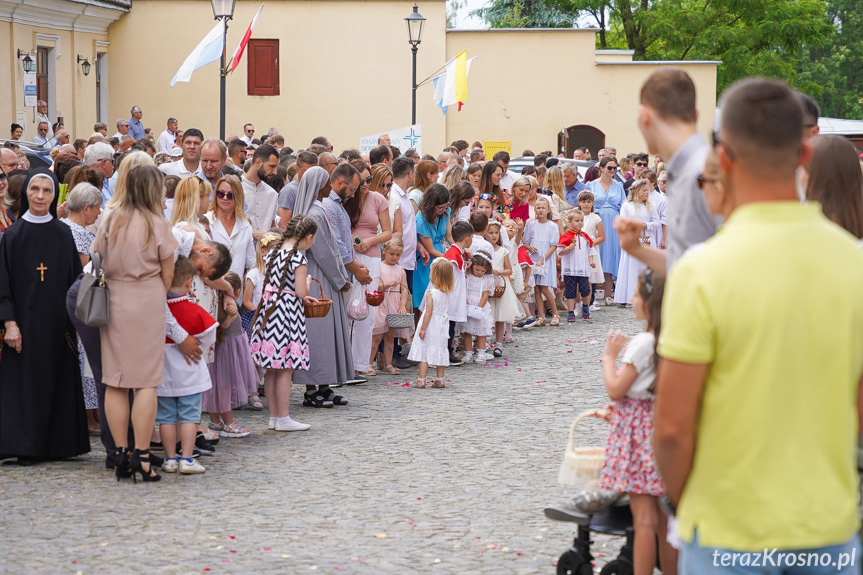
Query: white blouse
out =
(239, 242)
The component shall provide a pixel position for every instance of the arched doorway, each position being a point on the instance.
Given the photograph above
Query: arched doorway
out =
(580, 135)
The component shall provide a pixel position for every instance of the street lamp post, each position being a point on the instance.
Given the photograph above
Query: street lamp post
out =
(415, 33)
(223, 10)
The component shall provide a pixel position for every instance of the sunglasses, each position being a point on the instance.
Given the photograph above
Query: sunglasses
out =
(388, 186)
(369, 180)
(611, 168)
(225, 195)
(641, 164)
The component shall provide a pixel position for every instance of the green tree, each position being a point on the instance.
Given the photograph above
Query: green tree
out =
(524, 14)
(832, 72)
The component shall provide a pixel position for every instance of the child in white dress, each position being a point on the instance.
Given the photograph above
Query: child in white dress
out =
(636, 206)
(540, 239)
(429, 345)
(479, 324)
(505, 308)
(594, 228)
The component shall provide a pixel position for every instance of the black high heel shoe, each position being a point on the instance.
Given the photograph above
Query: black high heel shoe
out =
(139, 456)
(121, 463)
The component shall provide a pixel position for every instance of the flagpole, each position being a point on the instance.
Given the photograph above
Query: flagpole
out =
(223, 79)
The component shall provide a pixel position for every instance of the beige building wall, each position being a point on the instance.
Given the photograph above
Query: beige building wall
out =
(69, 29)
(515, 94)
(345, 68)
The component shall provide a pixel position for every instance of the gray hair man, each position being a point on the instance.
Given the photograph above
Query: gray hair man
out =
(122, 128)
(42, 129)
(100, 156)
(167, 138)
(136, 128)
(214, 155)
(42, 116)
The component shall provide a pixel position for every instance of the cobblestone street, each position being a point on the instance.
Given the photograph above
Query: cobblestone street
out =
(400, 481)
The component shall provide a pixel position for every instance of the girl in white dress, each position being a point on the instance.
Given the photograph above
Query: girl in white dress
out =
(636, 206)
(594, 228)
(505, 308)
(480, 284)
(540, 239)
(429, 345)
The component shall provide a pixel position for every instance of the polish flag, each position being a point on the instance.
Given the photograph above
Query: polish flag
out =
(238, 53)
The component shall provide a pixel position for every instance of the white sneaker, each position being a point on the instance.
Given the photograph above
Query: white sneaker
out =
(272, 423)
(288, 424)
(481, 357)
(594, 307)
(609, 301)
(170, 466)
(191, 467)
(467, 357)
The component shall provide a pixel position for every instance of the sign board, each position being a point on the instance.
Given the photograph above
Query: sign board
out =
(30, 92)
(402, 138)
(492, 147)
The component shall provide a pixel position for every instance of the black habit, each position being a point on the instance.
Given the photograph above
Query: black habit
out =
(42, 411)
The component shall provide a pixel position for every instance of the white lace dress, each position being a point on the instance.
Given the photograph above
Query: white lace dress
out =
(433, 349)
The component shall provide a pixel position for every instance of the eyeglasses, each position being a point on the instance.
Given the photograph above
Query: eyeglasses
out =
(369, 180)
(225, 195)
(641, 164)
(702, 181)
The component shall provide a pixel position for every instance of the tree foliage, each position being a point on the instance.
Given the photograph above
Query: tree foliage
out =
(524, 14)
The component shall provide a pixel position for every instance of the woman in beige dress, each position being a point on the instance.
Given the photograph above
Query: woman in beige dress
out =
(139, 267)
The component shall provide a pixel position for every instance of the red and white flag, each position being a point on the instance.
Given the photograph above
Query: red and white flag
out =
(238, 53)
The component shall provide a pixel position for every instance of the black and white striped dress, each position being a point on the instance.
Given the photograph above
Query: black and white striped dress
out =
(282, 343)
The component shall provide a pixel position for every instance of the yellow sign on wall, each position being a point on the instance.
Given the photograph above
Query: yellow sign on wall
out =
(492, 147)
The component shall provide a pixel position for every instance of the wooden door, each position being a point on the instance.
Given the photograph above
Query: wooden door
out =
(42, 55)
(263, 67)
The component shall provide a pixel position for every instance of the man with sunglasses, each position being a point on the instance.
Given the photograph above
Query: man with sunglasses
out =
(639, 166)
(248, 134)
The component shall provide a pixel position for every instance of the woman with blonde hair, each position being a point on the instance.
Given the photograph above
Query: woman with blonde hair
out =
(426, 171)
(451, 176)
(127, 163)
(638, 206)
(139, 267)
(191, 200)
(230, 225)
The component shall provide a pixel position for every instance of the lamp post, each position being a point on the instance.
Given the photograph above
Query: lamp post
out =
(223, 10)
(415, 34)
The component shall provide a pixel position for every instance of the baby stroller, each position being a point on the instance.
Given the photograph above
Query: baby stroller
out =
(594, 510)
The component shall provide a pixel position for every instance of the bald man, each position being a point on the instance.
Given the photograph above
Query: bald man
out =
(8, 160)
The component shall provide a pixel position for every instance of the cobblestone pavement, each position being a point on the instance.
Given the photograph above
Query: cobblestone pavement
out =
(400, 481)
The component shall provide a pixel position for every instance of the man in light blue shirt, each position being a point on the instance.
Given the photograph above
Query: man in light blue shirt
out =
(345, 182)
(136, 128)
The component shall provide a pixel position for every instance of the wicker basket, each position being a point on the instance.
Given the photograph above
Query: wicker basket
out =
(582, 466)
(320, 308)
(499, 289)
(374, 298)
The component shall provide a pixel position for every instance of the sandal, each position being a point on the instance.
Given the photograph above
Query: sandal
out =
(255, 403)
(391, 370)
(315, 399)
(370, 373)
(330, 395)
(555, 321)
(420, 383)
(438, 383)
(540, 321)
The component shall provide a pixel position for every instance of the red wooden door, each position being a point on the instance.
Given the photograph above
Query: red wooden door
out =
(263, 68)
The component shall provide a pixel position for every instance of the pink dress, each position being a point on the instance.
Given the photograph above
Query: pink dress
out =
(392, 299)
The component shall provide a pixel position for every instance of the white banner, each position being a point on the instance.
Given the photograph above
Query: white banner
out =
(402, 138)
(30, 90)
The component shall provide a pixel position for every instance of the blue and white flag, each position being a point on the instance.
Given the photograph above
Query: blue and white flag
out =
(209, 50)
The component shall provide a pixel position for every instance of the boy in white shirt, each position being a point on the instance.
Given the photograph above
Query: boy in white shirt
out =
(577, 254)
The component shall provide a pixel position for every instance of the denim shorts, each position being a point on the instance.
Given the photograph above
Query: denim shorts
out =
(573, 285)
(185, 409)
(842, 559)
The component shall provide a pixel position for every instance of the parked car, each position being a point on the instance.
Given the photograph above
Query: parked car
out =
(38, 156)
(516, 164)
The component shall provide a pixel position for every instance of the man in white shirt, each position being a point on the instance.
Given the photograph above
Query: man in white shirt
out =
(42, 116)
(248, 134)
(509, 177)
(214, 154)
(261, 199)
(122, 129)
(42, 136)
(190, 163)
(169, 136)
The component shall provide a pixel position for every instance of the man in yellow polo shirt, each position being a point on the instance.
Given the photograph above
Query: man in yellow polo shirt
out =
(757, 412)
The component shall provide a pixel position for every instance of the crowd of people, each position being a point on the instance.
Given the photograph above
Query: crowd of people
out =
(239, 268)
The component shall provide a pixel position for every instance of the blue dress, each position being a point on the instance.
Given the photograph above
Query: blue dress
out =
(437, 233)
(607, 206)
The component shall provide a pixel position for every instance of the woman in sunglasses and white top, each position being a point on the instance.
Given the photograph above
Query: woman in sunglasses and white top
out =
(230, 225)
